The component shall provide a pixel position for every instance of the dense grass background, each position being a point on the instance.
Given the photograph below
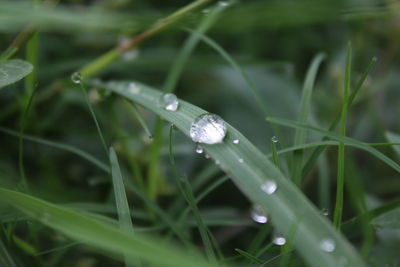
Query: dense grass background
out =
(273, 44)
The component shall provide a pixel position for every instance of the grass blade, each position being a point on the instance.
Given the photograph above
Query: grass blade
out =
(124, 213)
(337, 217)
(99, 234)
(347, 140)
(287, 204)
(5, 257)
(249, 256)
(305, 106)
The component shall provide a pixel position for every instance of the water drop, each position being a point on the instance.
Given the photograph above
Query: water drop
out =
(279, 240)
(76, 77)
(236, 141)
(325, 212)
(269, 187)
(328, 245)
(275, 139)
(208, 129)
(258, 214)
(169, 102)
(217, 162)
(133, 88)
(241, 160)
(199, 149)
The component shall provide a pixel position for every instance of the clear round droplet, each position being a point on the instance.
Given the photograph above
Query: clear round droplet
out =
(169, 102)
(208, 129)
(199, 149)
(279, 240)
(275, 139)
(258, 214)
(76, 77)
(133, 88)
(328, 245)
(236, 141)
(241, 160)
(269, 187)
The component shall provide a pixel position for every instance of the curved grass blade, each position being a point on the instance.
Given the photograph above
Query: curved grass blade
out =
(347, 140)
(57, 145)
(305, 106)
(5, 257)
(286, 205)
(99, 234)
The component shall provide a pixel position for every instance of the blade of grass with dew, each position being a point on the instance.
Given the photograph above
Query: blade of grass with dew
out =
(139, 117)
(124, 213)
(314, 156)
(84, 91)
(338, 211)
(169, 87)
(94, 232)
(287, 204)
(60, 146)
(300, 136)
(187, 193)
(347, 140)
(13, 70)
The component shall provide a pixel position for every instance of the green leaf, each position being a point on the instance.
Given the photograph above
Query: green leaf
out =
(97, 233)
(287, 205)
(13, 70)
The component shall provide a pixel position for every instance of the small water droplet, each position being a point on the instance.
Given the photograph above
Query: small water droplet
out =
(223, 3)
(76, 77)
(169, 102)
(328, 245)
(133, 88)
(325, 212)
(269, 187)
(217, 162)
(207, 156)
(208, 129)
(258, 214)
(241, 160)
(199, 149)
(279, 240)
(275, 139)
(236, 141)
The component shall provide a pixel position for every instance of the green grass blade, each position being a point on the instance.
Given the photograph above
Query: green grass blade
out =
(187, 193)
(314, 156)
(249, 256)
(305, 106)
(286, 204)
(139, 117)
(94, 232)
(57, 145)
(121, 201)
(5, 257)
(392, 137)
(347, 140)
(337, 217)
(84, 91)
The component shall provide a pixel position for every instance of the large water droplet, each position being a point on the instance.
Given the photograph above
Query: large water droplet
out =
(258, 214)
(236, 141)
(279, 240)
(169, 102)
(328, 245)
(208, 129)
(269, 187)
(76, 77)
(275, 139)
(199, 149)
